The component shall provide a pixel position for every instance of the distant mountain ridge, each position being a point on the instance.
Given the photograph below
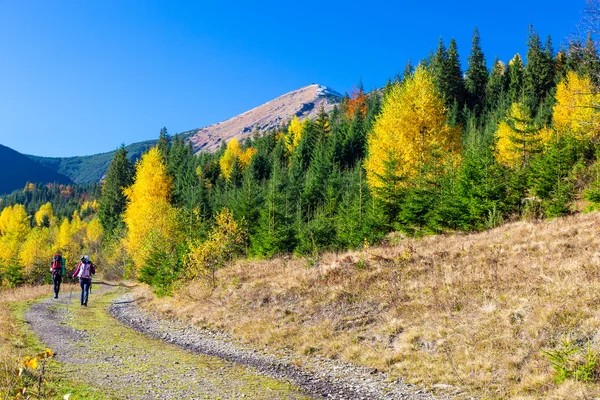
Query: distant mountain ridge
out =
(304, 103)
(18, 169)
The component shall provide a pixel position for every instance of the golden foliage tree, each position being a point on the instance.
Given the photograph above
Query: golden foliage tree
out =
(294, 134)
(36, 253)
(223, 243)
(93, 235)
(14, 227)
(518, 137)
(576, 108)
(410, 134)
(44, 215)
(148, 208)
(232, 152)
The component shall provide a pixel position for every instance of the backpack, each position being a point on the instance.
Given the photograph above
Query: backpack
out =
(85, 271)
(57, 264)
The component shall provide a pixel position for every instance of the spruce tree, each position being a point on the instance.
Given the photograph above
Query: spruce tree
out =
(112, 202)
(408, 71)
(455, 76)
(516, 72)
(496, 84)
(476, 76)
(538, 77)
(164, 143)
(275, 231)
(590, 64)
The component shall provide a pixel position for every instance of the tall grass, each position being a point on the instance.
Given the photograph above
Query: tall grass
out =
(476, 311)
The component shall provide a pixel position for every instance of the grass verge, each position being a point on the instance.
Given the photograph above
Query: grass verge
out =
(17, 341)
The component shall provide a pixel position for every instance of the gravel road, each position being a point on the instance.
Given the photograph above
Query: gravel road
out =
(172, 360)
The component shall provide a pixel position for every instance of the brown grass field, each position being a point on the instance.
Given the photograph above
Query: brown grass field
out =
(474, 311)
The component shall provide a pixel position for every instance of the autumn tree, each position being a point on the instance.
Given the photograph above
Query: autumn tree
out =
(148, 207)
(411, 133)
(357, 102)
(232, 152)
(14, 227)
(44, 215)
(576, 108)
(294, 134)
(518, 137)
(224, 242)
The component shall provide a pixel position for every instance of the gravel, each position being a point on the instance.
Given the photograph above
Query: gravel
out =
(318, 377)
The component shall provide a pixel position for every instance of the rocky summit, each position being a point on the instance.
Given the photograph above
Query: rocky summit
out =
(304, 102)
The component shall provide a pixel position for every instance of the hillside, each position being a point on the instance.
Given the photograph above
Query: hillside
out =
(304, 103)
(90, 169)
(18, 169)
(474, 311)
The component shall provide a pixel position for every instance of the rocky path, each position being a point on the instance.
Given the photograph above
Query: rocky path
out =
(144, 357)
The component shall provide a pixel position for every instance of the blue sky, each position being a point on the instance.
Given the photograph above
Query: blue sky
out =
(81, 77)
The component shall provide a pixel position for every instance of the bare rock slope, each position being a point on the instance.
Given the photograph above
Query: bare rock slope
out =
(304, 102)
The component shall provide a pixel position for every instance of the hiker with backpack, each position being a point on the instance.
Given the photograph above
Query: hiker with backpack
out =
(84, 272)
(57, 269)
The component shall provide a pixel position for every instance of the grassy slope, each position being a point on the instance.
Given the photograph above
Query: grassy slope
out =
(474, 311)
(90, 169)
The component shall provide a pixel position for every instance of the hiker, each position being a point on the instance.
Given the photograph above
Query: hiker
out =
(57, 269)
(84, 272)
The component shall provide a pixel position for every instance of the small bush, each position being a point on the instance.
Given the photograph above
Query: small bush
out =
(573, 362)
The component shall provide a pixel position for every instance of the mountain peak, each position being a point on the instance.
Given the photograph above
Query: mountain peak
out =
(304, 102)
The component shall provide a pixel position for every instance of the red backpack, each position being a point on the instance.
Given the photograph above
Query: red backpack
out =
(57, 264)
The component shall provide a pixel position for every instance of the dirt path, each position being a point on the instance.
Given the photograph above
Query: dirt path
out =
(125, 364)
(159, 359)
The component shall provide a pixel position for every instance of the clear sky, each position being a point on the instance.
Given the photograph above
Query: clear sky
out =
(80, 77)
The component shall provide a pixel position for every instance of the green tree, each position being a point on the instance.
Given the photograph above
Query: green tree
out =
(113, 201)
(476, 76)
(538, 77)
(516, 72)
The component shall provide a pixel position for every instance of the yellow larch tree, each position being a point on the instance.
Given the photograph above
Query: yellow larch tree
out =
(410, 134)
(44, 216)
(14, 227)
(576, 108)
(93, 235)
(148, 208)
(36, 253)
(518, 137)
(232, 152)
(294, 134)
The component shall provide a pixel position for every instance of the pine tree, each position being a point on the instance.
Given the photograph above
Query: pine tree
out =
(112, 202)
(516, 72)
(455, 76)
(275, 232)
(538, 77)
(408, 71)
(164, 143)
(496, 84)
(590, 65)
(476, 76)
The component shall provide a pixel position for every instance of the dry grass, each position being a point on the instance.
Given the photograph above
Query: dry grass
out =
(12, 341)
(474, 311)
